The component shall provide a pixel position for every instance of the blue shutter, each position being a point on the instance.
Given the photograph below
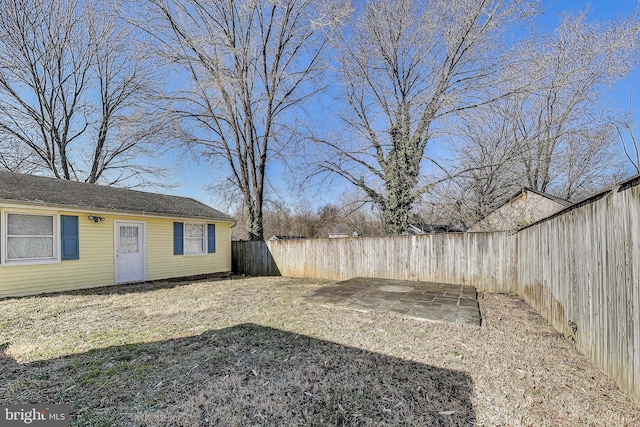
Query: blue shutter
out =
(211, 238)
(178, 238)
(69, 236)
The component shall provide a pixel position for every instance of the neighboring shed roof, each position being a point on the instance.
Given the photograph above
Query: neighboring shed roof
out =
(340, 230)
(539, 193)
(38, 190)
(620, 186)
(519, 210)
(424, 228)
(284, 237)
(564, 202)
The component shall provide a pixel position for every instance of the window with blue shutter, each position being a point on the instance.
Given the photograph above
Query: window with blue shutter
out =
(178, 238)
(69, 237)
(211, 238)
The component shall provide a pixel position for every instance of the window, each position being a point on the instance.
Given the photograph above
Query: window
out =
(30, 237)
(194, 239)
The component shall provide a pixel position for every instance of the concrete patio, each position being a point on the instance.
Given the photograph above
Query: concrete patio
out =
(439, 302)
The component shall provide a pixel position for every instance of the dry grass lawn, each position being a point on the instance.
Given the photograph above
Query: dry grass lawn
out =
(251, 352)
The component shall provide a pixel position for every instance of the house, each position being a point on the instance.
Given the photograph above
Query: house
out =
(341, 230)
(523, 208)
(283, 237)
(58, 235)
(420, 228)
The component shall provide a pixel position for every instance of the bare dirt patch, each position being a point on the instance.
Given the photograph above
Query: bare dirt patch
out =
(251, 352)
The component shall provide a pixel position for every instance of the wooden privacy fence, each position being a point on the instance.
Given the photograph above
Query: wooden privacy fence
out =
(580, 269)
(482, 259)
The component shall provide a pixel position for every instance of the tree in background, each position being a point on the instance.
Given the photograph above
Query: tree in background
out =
(81, 99)
(318, 223)
(564, 136)
(630, 144)
(406, 66)
(75, 94)
(485, 149)
(16, 157)
(249, 65)
(556, 136)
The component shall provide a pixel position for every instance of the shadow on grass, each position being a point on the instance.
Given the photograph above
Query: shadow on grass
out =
(243, 375)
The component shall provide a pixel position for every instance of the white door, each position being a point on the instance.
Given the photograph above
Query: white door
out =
(130, 252)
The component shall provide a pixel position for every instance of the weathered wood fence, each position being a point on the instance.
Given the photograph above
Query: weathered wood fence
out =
(579, 269)
(482, 259)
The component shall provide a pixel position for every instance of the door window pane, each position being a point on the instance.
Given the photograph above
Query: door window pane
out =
(129, 240)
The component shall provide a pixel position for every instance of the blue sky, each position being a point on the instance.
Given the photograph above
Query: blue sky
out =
(600, 9)
(195, 177)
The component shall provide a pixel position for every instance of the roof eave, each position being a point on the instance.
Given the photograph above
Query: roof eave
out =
(93, 209)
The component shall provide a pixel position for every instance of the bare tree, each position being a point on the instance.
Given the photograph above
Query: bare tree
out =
(564, 135)
(132, 116)
(631, 148)
(249, 65)
(407, 65)
(633, 154)
(485, 149)
(74, 91)
(555, 136)
(15, 157)
(304, 221)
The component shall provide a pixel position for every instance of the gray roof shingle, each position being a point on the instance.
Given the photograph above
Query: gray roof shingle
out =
(44, 191)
